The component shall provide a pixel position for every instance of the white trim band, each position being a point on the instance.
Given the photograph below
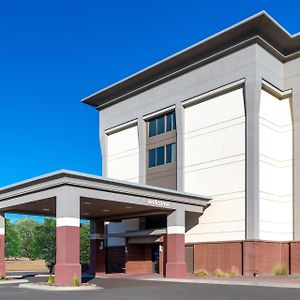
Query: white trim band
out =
(214, 93)
(176, 230)
(2, 231)
(96, 236)
(159, 112)
(67, 221)
(276, 92)
(120, 127)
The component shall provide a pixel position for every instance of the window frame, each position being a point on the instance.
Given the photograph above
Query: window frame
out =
(173, 150)
(155, 121)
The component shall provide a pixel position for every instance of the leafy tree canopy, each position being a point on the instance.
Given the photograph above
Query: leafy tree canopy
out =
(12, 240)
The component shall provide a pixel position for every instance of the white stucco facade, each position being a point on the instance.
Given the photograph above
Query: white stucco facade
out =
(215, 165)
(123, 154)
(239, 145)
(276, 168)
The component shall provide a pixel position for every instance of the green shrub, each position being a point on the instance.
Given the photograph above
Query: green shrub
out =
(2, 277)
(50, 280)
(75, 280)
(201, 272)
(281, 270)
(218, 273)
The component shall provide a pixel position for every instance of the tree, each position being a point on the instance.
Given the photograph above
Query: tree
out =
(12, 240)
(85, 243)
(45, 242)
(26, 229)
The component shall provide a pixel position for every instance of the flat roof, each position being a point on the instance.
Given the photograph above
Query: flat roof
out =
(260, 28)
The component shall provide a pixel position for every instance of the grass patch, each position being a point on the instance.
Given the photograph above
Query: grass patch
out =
(218, 273)
(201, 272)
(75, 280)
(50, 280)
(232, 273)
(281, 270)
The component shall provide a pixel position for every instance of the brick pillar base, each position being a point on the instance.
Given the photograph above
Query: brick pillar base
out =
(67, 255)
(175, 267)
(64, 273)
(2, 255)
(97, 257)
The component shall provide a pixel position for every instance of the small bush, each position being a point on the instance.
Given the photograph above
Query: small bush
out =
(218, 273)
(233, 272)
(75, 280)
(201, 272)
(281, 270)
(50, 280)
(2, 277)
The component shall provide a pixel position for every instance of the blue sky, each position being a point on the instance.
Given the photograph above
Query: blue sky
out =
(54, 53)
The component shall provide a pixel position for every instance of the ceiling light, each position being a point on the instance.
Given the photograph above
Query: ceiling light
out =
(46, 209)
(86, 214)
(105, 210)
(128, 207)
(87, 203)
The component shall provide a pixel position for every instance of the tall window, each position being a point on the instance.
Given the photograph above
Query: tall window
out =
(162, 124)
(170, 153)
(162, 155)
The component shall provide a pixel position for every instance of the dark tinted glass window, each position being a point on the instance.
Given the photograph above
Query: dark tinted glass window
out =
(152, 127)
(171, 121)
(152, 159)
(170, 153)
(152, 222)
(160, 156)
(160, 125)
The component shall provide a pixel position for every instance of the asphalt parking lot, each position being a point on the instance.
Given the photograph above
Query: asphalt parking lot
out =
(128, 289)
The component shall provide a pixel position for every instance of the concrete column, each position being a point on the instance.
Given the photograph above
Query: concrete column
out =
(176, 267)
(2, 245)
(97, 249)
(292, 81)
(179, 111)
(296, 136)
(103, 144)
(252, 99)
(67, 237)
(142, 132)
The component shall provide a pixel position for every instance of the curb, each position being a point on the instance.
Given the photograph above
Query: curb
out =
(232, 283)
(41, 287)
(12, 281)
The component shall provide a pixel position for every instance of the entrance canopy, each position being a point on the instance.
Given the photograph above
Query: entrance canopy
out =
(71, 196)
(99, 197)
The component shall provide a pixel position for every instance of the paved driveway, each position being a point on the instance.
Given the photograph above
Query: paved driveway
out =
(128, 289)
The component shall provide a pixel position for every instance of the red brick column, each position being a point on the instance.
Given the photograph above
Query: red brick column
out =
(2, 245)
(67, 254)
(176, 266)
(97, 249)
(67, 238)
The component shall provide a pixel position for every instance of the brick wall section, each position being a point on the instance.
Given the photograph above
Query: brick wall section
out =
(139, 259)
(247, 256)
(263, 256)
(295, 257)
(224, 255)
